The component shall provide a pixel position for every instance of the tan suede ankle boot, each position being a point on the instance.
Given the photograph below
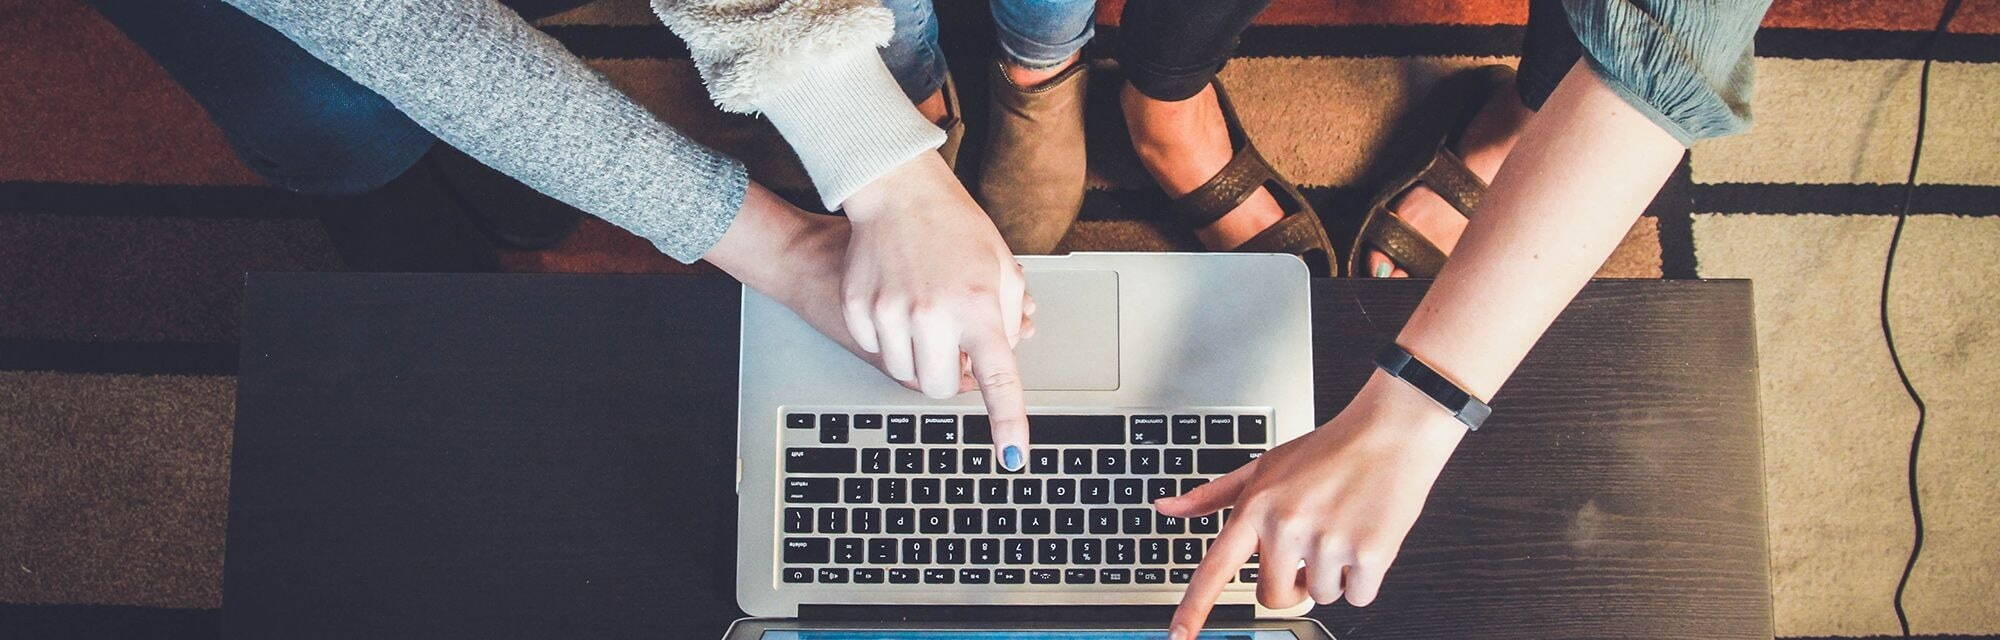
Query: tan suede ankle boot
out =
(1031, 180)
(953, 125)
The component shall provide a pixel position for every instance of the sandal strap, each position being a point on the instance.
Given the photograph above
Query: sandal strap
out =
(1415, 253)
(1224, 191)
(1456, 183)
(1301, 234)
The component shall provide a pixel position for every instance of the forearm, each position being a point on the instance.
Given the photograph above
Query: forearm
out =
(474, 73)
(1586, 166)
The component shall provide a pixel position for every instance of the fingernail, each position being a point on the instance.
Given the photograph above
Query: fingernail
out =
(1010, 458)
(1382, 270)
(1177, 633)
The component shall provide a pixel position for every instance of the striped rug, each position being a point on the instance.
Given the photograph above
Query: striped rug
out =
(126, 223)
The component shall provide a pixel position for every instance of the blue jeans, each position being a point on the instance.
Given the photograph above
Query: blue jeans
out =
(1034, 34)
(294, 120)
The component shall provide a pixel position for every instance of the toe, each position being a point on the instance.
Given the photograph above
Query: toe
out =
(1379, 266)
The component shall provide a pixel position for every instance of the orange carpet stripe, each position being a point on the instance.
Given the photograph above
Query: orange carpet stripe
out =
(1975, 16)
(80, 103)
(1348, 12)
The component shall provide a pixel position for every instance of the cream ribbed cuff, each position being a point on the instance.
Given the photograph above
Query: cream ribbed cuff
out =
(849, 122)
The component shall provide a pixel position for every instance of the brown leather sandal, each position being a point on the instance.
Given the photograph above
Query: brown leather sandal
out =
(1430, 161)
(1299, 233)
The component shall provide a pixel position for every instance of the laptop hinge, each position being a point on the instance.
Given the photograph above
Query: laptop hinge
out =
(1007, 613)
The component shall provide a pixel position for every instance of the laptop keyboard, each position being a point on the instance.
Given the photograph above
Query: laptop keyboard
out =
(917, 498)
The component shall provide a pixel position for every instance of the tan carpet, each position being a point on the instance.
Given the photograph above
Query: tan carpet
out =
(1836, 423)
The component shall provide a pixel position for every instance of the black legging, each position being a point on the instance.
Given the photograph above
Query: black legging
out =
(1170, 49)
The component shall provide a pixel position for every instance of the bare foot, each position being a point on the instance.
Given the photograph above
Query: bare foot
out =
(1185, 143)
(1484, 145)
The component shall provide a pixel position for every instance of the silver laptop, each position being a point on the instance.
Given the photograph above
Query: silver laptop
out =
(1149, 374)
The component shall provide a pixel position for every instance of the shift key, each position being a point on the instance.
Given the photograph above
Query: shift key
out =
(819, 460)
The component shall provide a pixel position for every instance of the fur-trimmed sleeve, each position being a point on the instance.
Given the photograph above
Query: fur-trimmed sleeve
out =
(812, 68)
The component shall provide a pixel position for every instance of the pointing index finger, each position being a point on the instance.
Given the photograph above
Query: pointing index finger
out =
(999, 378)
(1232, 548)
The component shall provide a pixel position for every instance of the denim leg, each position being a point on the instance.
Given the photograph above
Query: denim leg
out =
(294, 120)
(912, 54)
(1038, 34)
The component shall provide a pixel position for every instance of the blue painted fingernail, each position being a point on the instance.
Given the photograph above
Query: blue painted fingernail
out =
(1010, 458)
(1382, 270)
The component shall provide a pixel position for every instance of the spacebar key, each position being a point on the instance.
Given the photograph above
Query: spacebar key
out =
(1211, 461)
(1076, 429)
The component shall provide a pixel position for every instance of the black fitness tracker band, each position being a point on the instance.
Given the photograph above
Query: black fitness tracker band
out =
(1397, 361)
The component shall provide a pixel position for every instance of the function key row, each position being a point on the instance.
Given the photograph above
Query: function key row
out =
(1048, 429)
(1041, 461)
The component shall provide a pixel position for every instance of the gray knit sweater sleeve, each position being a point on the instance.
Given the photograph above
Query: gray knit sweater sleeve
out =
(477, 75)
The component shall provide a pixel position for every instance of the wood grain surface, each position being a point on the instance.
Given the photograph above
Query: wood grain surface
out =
(1616, 492)
(500, 456)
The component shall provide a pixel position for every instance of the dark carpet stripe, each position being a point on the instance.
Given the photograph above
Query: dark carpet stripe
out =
(1778, 42)
(57, 622)
(1677, 246)
(1133, 204)
(149, 201)
(1672, 208)
(157, 201)
(1844, 199)
(149, 358)
(655, 41)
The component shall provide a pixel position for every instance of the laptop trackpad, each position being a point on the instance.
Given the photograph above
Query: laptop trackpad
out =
(1075, 347)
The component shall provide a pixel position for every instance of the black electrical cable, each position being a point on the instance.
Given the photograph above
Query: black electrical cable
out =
(1888, 336)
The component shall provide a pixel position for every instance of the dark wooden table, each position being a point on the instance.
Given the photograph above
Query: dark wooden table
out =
(536, 456)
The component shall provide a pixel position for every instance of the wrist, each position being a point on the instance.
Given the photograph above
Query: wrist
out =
(912, 179)
(1463, 369)
(756, 248)
(1396, 405)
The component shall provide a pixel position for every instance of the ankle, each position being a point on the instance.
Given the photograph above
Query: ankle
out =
(1169, 135)
(1492, 132)
(933, 108)
(1152, 124)
(1027, 79)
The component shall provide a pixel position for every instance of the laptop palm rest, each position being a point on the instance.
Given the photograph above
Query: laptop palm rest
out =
(1075, 346)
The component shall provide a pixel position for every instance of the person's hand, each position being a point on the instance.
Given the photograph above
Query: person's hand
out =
(930, 288)
(796, 258)
(1339, 500)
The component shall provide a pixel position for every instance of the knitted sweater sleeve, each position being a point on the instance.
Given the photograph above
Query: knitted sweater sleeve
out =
(479, 77)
